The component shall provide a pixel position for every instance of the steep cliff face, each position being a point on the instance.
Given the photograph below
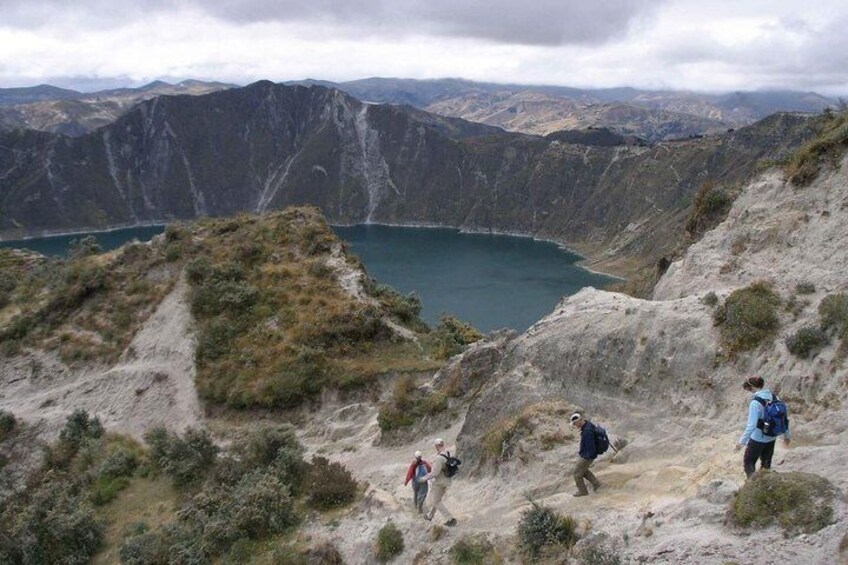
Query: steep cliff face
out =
(267, 146)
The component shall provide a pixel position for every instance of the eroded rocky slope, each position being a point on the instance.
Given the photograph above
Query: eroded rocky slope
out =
(267, 146)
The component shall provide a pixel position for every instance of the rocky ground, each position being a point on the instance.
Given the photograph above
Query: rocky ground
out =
(654, 372)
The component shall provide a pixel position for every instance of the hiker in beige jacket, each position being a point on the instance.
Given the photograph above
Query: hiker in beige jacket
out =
(439, 485)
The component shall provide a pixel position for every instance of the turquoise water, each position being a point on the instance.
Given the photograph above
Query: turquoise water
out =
(492, 281)
(58, 245)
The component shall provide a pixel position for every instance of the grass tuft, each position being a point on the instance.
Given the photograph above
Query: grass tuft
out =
(826, 149)
(798, 502)
(748, 317)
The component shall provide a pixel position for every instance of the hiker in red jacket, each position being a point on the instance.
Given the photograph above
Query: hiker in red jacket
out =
(417, 469)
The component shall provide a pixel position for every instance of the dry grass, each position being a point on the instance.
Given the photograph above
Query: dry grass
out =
(549, 418)
(87, 308)
(276, 326)
(826, 149)
(150, 500)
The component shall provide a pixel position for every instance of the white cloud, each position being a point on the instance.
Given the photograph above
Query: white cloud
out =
(678, 44)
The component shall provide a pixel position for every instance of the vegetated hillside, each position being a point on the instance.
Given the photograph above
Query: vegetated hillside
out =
(254, 312)
(267, 146)
(74, 113)
(271, 312)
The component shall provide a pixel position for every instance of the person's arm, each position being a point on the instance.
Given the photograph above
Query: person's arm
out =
(787, 435)
(427, 465)
(438, 462)
(751, 425)
(409, 474)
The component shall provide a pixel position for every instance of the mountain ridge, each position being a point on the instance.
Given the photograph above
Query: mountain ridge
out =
(267, 146)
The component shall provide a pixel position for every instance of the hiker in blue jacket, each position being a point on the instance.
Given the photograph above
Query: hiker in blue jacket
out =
(757, 444)
(588, 454)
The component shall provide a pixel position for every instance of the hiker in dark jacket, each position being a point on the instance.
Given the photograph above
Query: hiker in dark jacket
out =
(588, 454)
(758, 446)
(417, 470)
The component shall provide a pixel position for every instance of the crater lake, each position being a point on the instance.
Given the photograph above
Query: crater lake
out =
(492, 281)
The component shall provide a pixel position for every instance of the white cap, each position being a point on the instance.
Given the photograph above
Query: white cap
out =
(439, 441)
(417, 454)
(576, 416)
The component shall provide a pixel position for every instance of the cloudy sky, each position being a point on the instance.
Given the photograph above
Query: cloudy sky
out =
(706, 45)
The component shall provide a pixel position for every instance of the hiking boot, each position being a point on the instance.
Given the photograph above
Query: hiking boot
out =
(451, 522)
(580, 493)
(428, 518)
(597, 487)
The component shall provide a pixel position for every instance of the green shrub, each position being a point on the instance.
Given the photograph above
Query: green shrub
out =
(198, 270)
(452, 336)
(406, 307)
(807, 341)
(326, 554)
(473, 550)
(833, 312)
(216, 340)
(7, 424)
(80, 427)
(175, 232)
(408, 405)
(389, 543)
(805, 287)
(119, 463)
(222, 295)
(56, 525)
(798, 502)
(144, 549)
(258, 506)
(600, 556)
(185, 459)
(541, 528)
(330, 484)
(84, 247)
(106, 489)
(79, 430)
(273, 448)
(748, 317)
(710, 299)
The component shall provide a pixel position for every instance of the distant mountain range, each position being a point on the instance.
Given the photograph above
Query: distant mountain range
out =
(535, 109)
(539, 109)
(267, 146)
(48, 108)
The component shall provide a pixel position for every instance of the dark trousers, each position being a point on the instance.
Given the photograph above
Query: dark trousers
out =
(756, 450)
(419, 490)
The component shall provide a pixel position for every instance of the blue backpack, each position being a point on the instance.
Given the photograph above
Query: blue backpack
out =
(420, 471)
(775, 420)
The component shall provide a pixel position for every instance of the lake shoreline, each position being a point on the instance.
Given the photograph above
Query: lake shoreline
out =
(585, 257)
(91, 231)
